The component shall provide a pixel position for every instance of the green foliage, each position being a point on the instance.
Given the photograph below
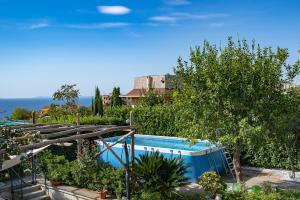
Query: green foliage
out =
(121, 112)
(87, 171)
(155, 173)
(84, 111)
(21, 114)
(115, 99)
(155, 120)
(98, 104)
(11, 139)
(68, 94)
(212, 183)
(235, 93)
(56, 111)
(71, 119)
(275, 195)
(151, 99)
(146, 195)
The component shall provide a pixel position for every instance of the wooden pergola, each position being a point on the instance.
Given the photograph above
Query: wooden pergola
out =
(51, 134)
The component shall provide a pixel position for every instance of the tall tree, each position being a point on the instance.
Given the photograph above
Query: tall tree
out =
(98, 105)
(115, 99)
(68, 94)
(93, 105)
(232, 92)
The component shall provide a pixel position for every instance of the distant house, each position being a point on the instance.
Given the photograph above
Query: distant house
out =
(288, 85)
(45, 109)
(158, 84)
(105, 100)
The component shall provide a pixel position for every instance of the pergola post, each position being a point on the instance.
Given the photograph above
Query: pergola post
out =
(78, 133)
(127, 171)
(33, 115)
(132, 147)
(33, 170)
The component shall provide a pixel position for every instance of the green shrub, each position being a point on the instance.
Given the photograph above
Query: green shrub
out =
(145, 195)
(86, 172)
(154, 120)
(21, 114)
(275, 195)
(72, 119)
(212, 183)
(84, 111)
(121, 112)
(155, 173)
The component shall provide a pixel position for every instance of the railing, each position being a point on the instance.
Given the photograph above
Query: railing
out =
(16, 182)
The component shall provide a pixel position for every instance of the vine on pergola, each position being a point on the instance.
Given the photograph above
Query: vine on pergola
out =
(11, 139)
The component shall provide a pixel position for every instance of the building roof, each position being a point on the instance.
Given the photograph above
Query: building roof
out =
(143, 92)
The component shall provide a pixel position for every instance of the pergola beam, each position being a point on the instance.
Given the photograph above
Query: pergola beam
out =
(116, 142)
(25, 148)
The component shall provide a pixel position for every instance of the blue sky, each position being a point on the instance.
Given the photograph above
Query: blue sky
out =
(47, 43)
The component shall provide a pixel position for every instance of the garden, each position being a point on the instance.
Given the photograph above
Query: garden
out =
(235, 95)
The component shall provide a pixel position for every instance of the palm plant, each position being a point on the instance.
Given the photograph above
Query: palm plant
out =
(155, 173)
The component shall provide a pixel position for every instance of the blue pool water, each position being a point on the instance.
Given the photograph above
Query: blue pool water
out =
(167, 142)
(11, 123)
(200, 157)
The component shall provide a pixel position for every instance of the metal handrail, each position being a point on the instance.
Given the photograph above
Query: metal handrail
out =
(14, 173)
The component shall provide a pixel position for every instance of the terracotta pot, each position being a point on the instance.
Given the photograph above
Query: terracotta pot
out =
(55, 183)
(102, 194)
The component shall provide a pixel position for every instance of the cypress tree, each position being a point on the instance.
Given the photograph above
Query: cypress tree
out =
(98, 105)
(96, 102)
(93, 105)
(115, 97)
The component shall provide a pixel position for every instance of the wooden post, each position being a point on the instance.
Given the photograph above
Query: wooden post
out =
(127, 171)
(33, 117)
(132, 147)
(78, 133)
(130, 118)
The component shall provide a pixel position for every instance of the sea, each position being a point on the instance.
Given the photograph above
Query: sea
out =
(7, 106)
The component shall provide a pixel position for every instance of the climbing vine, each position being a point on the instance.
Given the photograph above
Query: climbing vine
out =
(11, 139)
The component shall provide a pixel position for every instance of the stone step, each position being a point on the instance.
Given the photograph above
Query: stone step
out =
(44, 197)
(34, 194)
(28, 189)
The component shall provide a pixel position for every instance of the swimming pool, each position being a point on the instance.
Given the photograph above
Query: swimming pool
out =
(12, 123)
(200, 157)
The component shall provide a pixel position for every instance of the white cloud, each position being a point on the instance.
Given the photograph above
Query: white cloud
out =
(178, 2)
(113, 10)
(97, 25)
(38, 25)
(177, 16)
(182, 15)
(164, 19)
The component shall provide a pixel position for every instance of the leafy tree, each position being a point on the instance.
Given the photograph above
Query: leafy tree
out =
(68, 94)
(98, 105)
(21, 114)
(232, 92)
(151, 99)
(115, 99)
(286, 123)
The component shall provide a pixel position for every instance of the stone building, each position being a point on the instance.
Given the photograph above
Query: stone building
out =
(158, 84)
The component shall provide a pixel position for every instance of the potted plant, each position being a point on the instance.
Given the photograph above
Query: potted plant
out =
(212, 184)
(55, 178)
(102, 193)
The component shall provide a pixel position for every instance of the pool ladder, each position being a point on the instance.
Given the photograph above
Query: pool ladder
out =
(229, 163)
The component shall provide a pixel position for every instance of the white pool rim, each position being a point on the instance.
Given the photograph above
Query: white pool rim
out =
(165, 150)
